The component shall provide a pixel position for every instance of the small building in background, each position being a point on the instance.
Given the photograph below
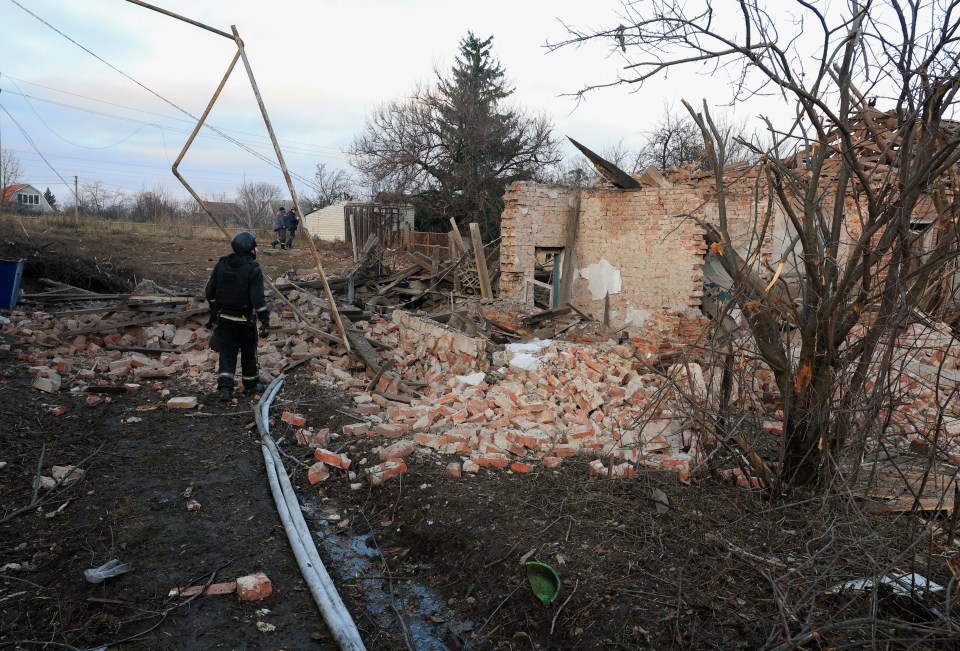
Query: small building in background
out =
(26, 199)
(332, 223)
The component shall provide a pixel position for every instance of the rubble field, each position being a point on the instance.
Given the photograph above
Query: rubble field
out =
(456, 445)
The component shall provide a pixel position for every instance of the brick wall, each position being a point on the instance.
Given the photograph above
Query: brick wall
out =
(533, 216)
(638, 233)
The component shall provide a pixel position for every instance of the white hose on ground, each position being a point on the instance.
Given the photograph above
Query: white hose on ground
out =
(325, 594)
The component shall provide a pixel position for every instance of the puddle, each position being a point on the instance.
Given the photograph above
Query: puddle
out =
(356, 560)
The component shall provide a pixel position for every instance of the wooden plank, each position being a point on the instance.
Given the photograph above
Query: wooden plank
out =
(365, 350)
(458, 248)
(608, 170)
(454, 240)
(479, 254)
(379, 374)
(545, 315)
(566, 272)
(134, 322)
(403, 275)
(140, 349)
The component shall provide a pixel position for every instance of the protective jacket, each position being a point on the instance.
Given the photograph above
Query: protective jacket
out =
(235, 290)
(279, 220)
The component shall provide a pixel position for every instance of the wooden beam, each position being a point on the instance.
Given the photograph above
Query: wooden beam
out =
(608, 170)
(173, 316)
(566, 272)
(478, 253)
(455, 245)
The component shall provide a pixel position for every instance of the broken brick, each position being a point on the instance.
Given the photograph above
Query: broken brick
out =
(380, 473)
(318, 473)
(399, 450)
(254, 587)
(520, 467)
(332, 458)
(453, 471)
(293, 419)
(356, 429)
(392, 430)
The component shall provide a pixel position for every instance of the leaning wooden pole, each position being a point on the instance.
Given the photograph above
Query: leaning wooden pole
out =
(293, 193)
(213, 100)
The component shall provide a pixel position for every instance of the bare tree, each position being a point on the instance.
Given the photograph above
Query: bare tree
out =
(254, 199)
(11, 171)
(332, 185)
(152, 205)
(96, 197)
(676, 140)
(456, 146)
(848, 180)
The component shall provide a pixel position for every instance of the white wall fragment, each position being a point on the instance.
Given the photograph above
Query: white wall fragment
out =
(602, 278)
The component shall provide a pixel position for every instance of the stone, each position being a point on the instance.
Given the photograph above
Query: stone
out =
(44, 384)
(183, 336)
(453, 471)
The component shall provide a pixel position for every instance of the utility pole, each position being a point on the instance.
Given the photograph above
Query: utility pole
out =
(76, 201)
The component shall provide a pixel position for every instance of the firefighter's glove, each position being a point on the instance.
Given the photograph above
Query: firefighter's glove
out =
(264, 330)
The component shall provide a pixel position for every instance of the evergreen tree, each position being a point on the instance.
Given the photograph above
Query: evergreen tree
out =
(456, 146)
(51, 199)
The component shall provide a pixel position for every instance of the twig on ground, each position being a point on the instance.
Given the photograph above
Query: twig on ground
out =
(67, 485)
(565, 602)
(36, 481)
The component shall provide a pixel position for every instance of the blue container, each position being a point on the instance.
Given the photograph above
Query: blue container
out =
(11, 273)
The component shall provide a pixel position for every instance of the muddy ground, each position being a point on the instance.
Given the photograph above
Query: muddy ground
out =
(423, 561)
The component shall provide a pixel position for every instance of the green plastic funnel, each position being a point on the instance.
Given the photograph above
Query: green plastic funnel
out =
(544, 580)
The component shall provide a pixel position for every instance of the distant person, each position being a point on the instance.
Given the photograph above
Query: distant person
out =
(235, 293)
(280, 228)
(292, 224)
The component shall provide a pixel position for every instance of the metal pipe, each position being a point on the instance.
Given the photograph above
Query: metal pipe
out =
(293, 193)
(147, 5)
(203, 205)
(193, 135)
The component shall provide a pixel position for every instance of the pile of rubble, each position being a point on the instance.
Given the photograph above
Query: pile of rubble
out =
(430, 389)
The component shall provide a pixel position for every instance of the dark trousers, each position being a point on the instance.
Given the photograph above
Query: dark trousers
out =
(290, 236)
(237, 337)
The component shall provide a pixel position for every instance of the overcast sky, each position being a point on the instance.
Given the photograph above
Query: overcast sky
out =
(321, 65)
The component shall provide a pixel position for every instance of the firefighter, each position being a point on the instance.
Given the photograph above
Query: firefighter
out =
(235, 293)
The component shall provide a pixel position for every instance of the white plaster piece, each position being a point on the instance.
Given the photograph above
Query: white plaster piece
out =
(603, 279)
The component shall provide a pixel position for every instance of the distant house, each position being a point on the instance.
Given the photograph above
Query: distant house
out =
(333, 222)
(24, 198)
(227, 211)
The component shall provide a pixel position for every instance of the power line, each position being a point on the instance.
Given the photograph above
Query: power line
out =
(335, 150)
(159, 96)
(34, 145)
(295, 150)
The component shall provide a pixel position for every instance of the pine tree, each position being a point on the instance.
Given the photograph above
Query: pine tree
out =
(51, 199)
(456, 146)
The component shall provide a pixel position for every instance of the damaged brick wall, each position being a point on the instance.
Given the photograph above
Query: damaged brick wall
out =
(533, 216)
(631, 245)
